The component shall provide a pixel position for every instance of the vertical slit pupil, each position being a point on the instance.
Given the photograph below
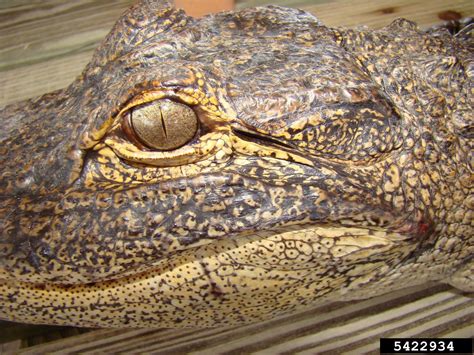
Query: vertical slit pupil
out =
(164, 124)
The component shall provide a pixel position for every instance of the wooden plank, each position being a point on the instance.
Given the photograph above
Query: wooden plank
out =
(376, 14)
(428, 310)
(11, 347)
(62, 28)
(35, 79)
(45, 45)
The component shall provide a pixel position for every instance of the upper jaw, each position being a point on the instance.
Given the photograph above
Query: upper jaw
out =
(92, 235)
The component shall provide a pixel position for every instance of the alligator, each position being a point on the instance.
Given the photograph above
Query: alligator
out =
(240, 166)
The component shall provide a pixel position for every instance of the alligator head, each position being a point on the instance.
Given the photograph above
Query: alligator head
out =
(232, 168)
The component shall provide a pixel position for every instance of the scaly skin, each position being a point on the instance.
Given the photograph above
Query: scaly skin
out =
(329, 164)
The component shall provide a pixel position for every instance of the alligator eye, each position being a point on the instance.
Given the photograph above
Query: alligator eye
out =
(163, 124)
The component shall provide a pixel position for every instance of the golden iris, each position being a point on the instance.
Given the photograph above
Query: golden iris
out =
(164, 124)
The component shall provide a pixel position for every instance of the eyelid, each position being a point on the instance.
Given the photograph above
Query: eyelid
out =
(91, 138)
(183, 155)
(151, 96)
(212, 134)
(198, 101)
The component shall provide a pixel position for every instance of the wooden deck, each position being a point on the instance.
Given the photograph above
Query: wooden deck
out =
(349, 328)
(44, 45)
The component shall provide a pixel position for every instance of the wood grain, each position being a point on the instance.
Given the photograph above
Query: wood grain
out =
(423, 311)
(45, 44)
(376, 14)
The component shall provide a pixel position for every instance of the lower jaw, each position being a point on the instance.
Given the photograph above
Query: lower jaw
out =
(230, 281)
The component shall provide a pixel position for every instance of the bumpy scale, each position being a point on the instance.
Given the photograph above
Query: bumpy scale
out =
(325, 164)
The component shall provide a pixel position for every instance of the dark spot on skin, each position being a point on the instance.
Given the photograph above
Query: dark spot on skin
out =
(375, 219)
(449, 15)
(12, 297)
(423, 228)
(216, 291)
